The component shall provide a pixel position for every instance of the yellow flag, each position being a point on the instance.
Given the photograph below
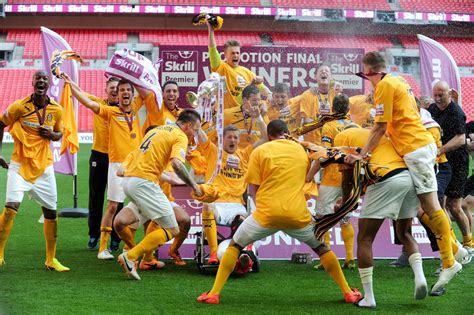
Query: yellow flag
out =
(70, 139)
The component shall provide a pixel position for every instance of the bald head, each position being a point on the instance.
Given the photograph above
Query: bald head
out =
(40, 83)
(441, 94)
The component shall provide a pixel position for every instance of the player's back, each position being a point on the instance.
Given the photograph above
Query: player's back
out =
(279, 168)
(160, 145)
(396, 105)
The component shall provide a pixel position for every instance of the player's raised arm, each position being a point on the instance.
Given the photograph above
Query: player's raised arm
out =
(214, 57)
(81, 95)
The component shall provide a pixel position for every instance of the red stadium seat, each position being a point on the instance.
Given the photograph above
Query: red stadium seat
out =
(337, 4)
(444, 6)
(460, 48)
(415, 86)
(467, 96)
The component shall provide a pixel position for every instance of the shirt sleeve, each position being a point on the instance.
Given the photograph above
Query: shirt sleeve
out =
(178, 151)
(214, 58)
(383, 99)
(253, 175)
(105, 112)
(326, 137)
(11, 114)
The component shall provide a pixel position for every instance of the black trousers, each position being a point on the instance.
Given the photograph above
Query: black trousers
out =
(98, 170)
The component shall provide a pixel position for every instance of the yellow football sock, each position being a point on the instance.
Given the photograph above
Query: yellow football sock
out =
(149, 243)
(128, 237)
(149, 256)
(105, 232)
(347, 232)
(6, 223)
(331, 265)
(327, 239)
(210, 230)
(226, 267)
(440, 226)
(467, 240)
(50, 229)
(427, 221)
(178, 241)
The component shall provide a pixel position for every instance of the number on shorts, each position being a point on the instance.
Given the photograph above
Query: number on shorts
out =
(146, 143)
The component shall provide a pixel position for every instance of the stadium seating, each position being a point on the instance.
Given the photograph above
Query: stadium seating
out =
(15, 84)
(338, 4)
(446, 6)
(80, 41)
(467, 94)
(413, 83)
(460, 48)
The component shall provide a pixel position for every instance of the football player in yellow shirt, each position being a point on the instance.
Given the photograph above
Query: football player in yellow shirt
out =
(316, 101)
(278, 169)
(124, 136)
(34, 122)
(330, 189)
(392, 196)
(169, 110)
(282, 108)
(237, 77)
(397, 115)
(162, 145)
(229, 209)
(99, 164)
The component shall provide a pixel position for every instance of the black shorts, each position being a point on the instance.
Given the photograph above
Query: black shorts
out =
(469, 187)
(459, 168)
(443, 178)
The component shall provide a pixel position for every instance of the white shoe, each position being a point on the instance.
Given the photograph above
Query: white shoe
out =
(129, 266)
(446, 275)
(470, 250)
(105, 255)
(462, 256)
(421, 291)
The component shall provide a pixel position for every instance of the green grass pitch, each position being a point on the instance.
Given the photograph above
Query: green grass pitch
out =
(96, 287)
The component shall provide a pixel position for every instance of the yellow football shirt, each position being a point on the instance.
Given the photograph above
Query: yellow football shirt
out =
(249, 131)
(279, 168)
(331, 175)
(384, 157)
(311, 104)
(290, 114)
(436, 133)
(30, 150)
(231, 179)
(122, 140)
(395, 104)
(100, 128)
(236, 79)
(159, 147)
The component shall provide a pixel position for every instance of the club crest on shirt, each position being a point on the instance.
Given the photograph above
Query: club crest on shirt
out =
(182, 152)
(233, 161)
(241, 82)
(49, 117)
(379, 110)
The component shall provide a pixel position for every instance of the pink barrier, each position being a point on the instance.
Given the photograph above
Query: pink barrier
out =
(280, 246)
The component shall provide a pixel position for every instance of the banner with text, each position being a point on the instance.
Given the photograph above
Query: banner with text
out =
(295, 66)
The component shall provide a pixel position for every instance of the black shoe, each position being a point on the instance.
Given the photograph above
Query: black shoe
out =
(114, 245)
(92, 244)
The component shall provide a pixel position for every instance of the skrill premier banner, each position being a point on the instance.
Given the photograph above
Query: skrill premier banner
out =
(189, 66)
(281, 246)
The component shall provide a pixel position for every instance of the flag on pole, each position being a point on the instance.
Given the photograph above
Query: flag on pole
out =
(51, 41)
(70, 138)
(437, 64)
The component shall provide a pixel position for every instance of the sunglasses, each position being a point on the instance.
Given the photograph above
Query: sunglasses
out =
(366, 76)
